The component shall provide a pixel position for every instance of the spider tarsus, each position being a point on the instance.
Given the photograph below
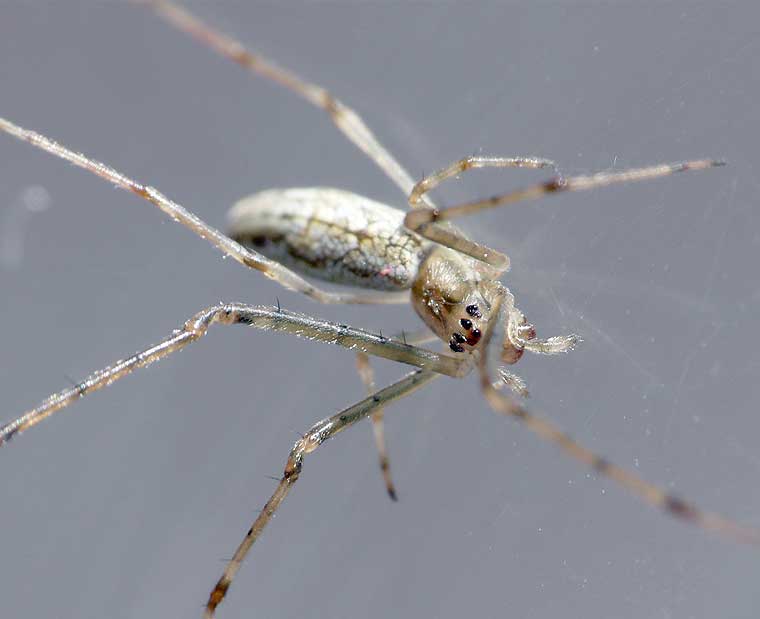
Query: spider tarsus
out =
(7, 433)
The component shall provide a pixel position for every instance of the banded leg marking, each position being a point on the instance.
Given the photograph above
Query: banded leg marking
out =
(317, 434)
(426, 221)
(255, 316)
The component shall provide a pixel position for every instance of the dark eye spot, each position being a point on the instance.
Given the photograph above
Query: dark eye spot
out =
(466, 323)
(474, 337)
(472, 310)
(459, 338)
(455, 347)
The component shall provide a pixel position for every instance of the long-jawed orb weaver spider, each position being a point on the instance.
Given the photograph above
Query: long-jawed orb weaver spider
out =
(285, 303)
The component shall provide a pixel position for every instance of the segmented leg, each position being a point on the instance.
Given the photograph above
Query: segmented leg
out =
(471, 163)
(255, 316)
(513, 381)
(248, 257)
(423, 220)
(345, 119)
(555, 345)
(546, 430)
(414, 338)
(378, 428)
(318, 434)
(450, 237)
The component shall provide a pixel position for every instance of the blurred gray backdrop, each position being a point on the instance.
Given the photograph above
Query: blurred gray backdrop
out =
(127, 504)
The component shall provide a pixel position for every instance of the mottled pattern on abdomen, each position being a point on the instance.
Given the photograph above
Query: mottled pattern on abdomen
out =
(330, 234)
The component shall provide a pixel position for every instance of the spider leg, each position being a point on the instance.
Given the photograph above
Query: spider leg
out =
(425, 221)
(451, 237)
(255, 316)
(473, 162)
(546, 430)
(367, 374)
(378, 427)
(513, 381)
(248, 257)
(345, 119)
(317, 434)
(555, 345)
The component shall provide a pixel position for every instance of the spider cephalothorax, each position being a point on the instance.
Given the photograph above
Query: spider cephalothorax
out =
(456, 301)
(452, 299)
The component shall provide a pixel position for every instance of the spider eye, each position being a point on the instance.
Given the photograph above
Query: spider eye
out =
(466, 323)
(456, 347)
(472, 310)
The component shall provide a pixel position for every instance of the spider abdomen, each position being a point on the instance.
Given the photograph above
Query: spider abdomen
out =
(330, 234)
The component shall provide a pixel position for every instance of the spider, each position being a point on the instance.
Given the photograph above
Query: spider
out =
(457, 292)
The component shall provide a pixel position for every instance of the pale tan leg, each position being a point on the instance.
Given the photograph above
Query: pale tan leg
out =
(378, 429)
(555, 345)
(513, 381)
(248, 257)
(318, 434)
(473, 162)
(451, 237)
(255, 316)
(366, 373)
(547, 431)
(345, 119)
(425, 221)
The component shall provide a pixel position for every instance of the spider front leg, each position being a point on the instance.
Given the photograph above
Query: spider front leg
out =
(427, 221)
(254, 316)
(317, 434)
(446, 235)
(471, 163)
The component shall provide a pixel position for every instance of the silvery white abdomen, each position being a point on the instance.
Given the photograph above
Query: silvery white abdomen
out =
(330, 234)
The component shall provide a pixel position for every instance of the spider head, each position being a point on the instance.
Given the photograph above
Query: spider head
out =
(457, 302)
(447, 297)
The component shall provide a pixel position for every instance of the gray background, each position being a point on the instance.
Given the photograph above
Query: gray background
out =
(128, 504)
